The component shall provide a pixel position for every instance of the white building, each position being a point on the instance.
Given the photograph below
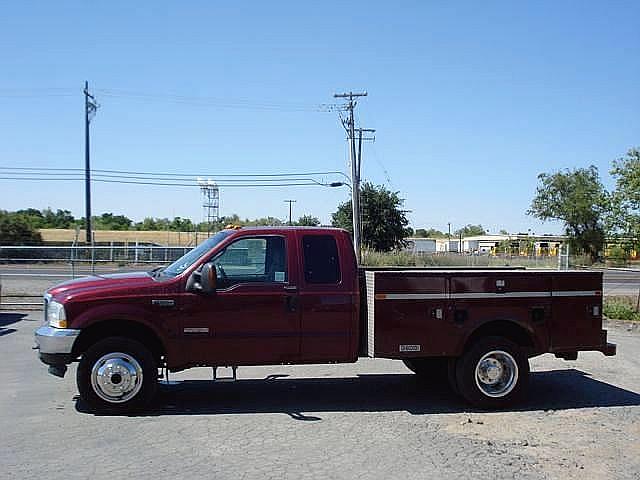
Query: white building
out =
(421, 245)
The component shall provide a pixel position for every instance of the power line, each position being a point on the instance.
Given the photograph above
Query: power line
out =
(37, 92)
(167, 179)
(310, 183)
(184, 175)
(198, 101)
(326, 178)
(219, 102)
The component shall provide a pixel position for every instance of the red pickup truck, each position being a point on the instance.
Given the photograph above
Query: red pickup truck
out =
(260, 296)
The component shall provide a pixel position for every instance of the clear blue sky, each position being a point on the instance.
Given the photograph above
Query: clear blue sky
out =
(471, 100)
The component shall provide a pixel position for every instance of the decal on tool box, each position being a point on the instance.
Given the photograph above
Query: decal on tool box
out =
(409, 348)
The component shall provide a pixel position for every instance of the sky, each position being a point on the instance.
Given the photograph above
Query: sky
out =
(470, 101)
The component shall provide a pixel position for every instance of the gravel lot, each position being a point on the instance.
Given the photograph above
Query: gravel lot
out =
(367, 420)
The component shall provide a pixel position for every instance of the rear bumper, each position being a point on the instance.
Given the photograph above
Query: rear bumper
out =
(608, 349)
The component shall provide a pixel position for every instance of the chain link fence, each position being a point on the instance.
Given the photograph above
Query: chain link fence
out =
(82, 255)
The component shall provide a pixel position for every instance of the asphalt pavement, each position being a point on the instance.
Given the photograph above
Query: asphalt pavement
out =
(368, 420)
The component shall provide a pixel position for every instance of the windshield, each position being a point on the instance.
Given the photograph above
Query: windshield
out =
(192, 256)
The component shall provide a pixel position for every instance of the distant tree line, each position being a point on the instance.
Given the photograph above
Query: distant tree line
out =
(21, 227)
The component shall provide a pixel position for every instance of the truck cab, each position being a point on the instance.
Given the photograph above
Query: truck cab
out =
(245, 296)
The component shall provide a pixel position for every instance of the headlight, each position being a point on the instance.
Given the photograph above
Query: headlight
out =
(55, 315)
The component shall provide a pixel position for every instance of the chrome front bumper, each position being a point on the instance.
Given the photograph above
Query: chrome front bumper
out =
(51, 340)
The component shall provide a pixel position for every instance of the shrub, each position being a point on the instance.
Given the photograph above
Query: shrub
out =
(16, 230)
(621, 309)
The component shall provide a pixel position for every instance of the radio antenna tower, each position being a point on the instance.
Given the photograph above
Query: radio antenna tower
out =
(210, 202)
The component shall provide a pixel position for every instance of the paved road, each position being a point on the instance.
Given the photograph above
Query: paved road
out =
(371, 420)
(62, 271)
(621, 282)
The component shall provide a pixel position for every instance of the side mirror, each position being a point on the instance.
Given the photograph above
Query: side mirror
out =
(208, 278)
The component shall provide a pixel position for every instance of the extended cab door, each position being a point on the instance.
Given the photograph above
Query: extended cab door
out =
(253, 317)
(327, 299)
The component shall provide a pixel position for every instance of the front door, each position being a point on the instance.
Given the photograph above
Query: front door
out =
(253, 317)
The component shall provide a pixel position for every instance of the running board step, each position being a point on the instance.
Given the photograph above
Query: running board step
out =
(232, 378)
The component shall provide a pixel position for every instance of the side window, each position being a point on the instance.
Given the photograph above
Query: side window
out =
(252, 260)
(321, 263)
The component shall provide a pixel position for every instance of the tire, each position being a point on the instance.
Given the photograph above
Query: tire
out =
(493, 373)
(117, 375)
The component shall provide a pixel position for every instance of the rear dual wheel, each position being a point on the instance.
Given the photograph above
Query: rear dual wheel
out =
(493, 373)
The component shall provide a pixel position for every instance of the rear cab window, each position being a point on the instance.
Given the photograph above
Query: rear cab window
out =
(321, 263)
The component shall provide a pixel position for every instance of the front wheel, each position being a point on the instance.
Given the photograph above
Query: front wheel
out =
(117, 374)
(493, 373)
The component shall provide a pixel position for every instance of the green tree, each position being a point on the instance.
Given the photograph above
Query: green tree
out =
(579, 200)
(625, 215)
(33, 216)
(503, 232)
(308, 221)
(57, 219)
(470, 231)
(429, 233)
(384, 223)
(179, 224)
(16, 230)
(264, 222)
(109, 221)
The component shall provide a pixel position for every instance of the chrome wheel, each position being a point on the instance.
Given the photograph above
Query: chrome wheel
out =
(496, 373)
(116, 377)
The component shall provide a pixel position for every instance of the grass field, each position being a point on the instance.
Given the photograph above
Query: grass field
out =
(407, 259)
(58, 235)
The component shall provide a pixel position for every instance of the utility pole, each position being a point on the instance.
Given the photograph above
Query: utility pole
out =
(290, 202)
(90, 107)
(358, 165)
(349, 125)
(360, 140)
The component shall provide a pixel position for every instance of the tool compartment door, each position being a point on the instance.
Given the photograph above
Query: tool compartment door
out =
(577, 311)
(408, 318)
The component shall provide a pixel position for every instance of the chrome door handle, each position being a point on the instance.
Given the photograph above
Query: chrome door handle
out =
(290, 288)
